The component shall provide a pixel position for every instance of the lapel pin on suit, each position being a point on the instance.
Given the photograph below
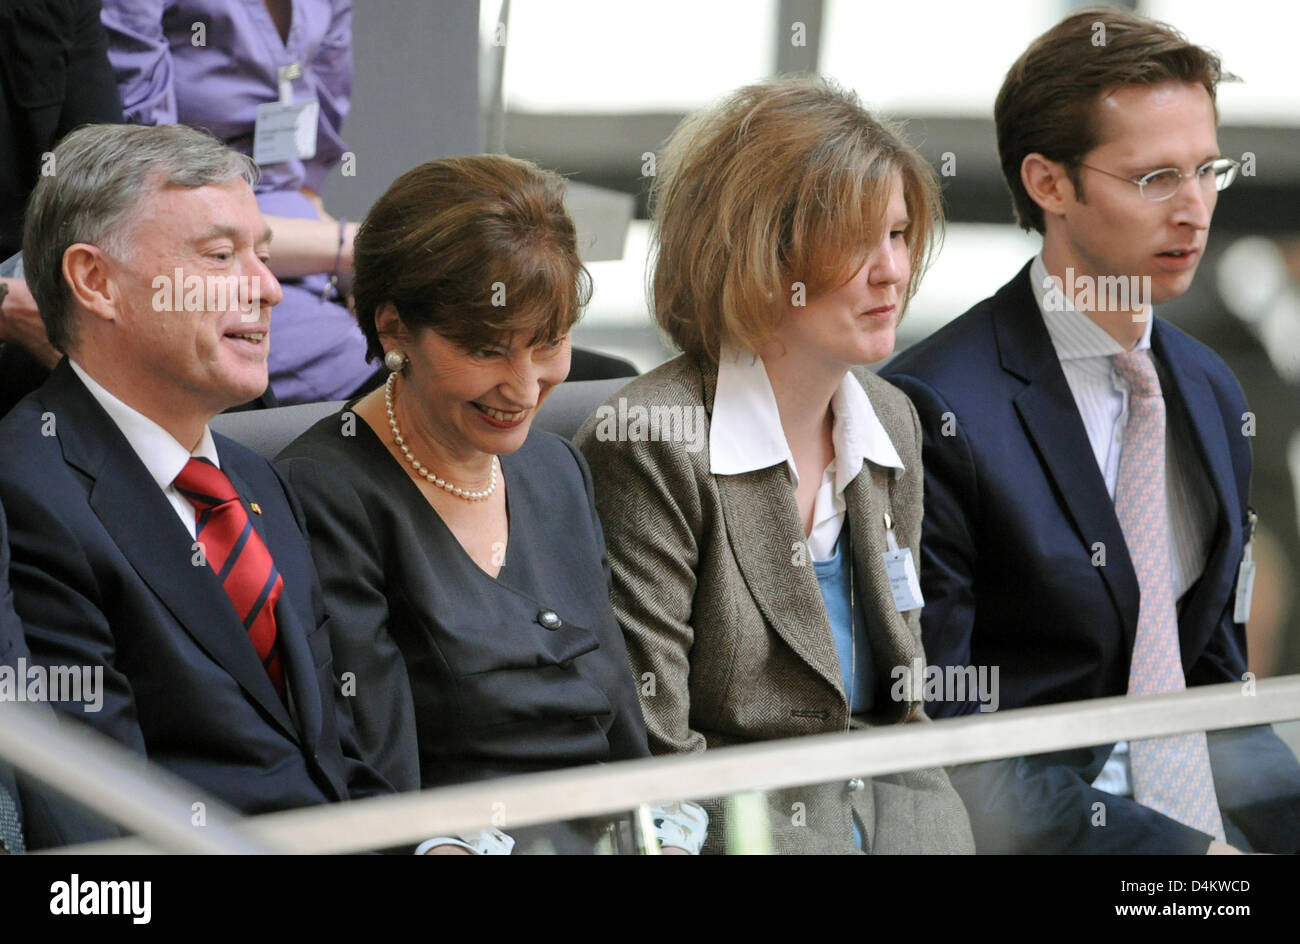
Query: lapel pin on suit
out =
(255, 507)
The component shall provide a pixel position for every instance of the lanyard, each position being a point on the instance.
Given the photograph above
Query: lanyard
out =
(853, 622)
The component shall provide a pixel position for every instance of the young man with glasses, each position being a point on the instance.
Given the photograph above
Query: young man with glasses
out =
(1087, 466)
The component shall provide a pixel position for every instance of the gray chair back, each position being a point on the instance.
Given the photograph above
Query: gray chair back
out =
(569, 404)
(267, 432)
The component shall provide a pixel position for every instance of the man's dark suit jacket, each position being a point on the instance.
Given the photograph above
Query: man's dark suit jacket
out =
(1014, 508)
(104, 574)
(12, 648)
(48, 818)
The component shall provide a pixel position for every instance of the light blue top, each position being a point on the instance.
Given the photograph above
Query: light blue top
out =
(833, 577)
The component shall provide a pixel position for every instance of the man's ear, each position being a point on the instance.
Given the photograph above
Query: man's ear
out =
(1047, 184)
(87, 272)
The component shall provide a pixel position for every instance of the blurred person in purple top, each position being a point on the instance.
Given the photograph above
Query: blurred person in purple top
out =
(211, 64)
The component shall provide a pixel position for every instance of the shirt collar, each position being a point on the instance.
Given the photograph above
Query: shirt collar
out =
(161, 454)
(1074, 335)
(745, 433)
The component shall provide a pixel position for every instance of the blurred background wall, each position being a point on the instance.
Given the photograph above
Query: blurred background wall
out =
(415, 94)
(591, 88)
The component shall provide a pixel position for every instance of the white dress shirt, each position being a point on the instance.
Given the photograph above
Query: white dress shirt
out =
(161, 454)
(746, 435)
(1101, 395)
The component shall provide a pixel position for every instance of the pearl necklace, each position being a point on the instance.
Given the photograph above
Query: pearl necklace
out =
(442, 483)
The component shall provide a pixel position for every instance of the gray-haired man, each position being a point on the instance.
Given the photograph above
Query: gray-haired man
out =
(142, 543)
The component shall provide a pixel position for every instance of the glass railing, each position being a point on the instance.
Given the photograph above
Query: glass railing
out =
(773, 796)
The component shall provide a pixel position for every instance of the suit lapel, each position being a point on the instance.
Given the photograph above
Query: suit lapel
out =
(124, 496)
(767, 542)
(1202, 410)
(1191, 392)
(1050, 416)
(763, 528)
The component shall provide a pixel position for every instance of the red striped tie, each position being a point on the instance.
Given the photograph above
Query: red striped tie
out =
(236, 554)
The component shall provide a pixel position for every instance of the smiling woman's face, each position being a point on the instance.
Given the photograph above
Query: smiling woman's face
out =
(478, 402)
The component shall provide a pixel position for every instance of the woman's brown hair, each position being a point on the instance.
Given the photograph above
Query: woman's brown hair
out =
(783, 182)
(475, 248)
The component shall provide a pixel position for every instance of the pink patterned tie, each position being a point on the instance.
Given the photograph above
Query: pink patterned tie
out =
(1170, 774)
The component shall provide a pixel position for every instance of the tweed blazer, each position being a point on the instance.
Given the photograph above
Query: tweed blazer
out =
(724, 620)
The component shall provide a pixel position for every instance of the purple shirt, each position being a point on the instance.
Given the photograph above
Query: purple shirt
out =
(317, 350)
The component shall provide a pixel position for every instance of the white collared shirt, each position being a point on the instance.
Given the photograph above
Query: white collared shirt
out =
(746, 435)
(161, 454)
(1101, 396)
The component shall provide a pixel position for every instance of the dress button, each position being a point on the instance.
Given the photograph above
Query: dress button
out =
(550, 619)
(854, 785)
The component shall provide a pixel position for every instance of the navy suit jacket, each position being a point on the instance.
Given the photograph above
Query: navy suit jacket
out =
(49, 819)
(104, 575)
(1015, 508)
(11, 648)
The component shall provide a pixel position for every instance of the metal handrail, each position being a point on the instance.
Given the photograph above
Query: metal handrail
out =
(121, 786)
(614, 788)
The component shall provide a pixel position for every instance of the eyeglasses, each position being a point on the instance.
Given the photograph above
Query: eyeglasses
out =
(1164, 183)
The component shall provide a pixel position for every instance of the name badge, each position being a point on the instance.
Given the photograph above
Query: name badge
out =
(899, 566)
(284, 132)
(1246, 575)
(286, 129)
(1245, 590)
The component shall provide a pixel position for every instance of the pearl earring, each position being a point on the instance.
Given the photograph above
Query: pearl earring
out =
(395, 360)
